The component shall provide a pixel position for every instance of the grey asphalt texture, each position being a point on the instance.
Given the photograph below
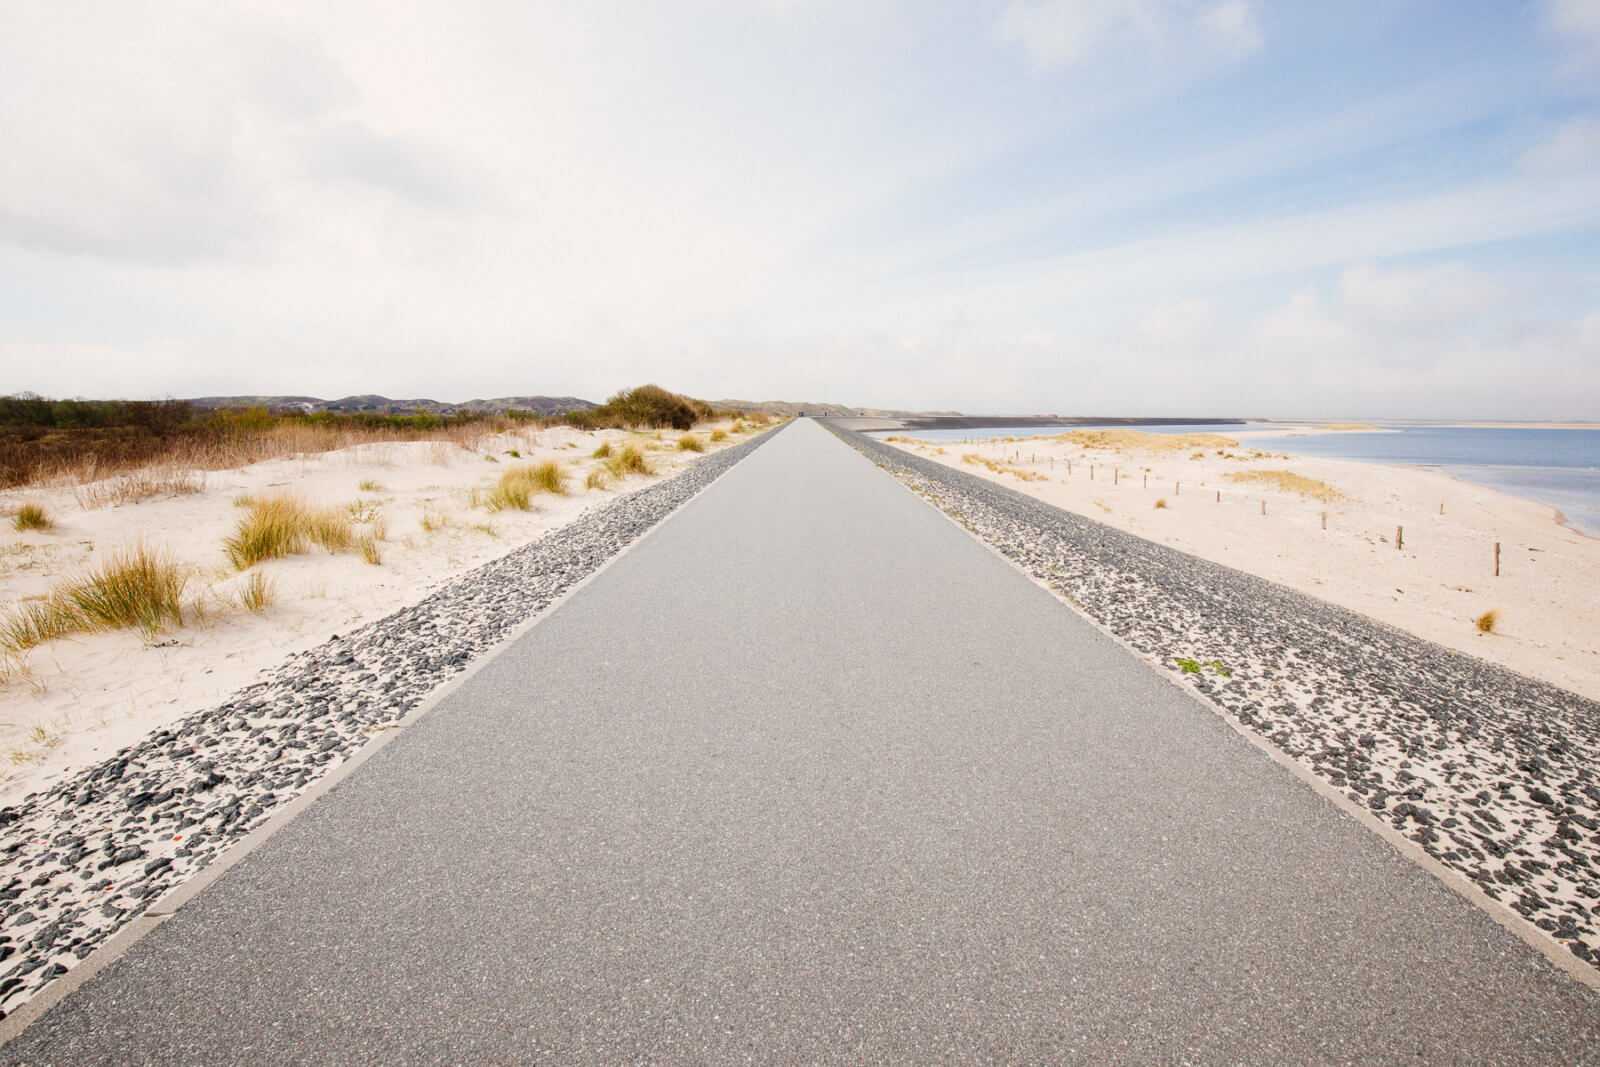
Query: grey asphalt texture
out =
(810, 775)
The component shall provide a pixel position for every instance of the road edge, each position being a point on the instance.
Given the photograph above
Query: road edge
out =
(1464, 887)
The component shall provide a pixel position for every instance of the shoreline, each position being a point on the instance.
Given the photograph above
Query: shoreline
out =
(1226, 506)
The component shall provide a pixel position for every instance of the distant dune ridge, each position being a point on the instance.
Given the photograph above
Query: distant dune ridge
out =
(539, 405)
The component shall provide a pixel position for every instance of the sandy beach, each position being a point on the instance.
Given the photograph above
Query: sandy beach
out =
(1207, 498)
(74, 701)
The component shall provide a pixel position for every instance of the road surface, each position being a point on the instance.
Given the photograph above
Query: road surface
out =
(810, 775)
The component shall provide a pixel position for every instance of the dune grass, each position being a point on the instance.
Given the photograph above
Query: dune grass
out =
(1161, 503)
(1289, 482)
(1487, 621)
(278, 526)
(628, 460)
(719, 435)
(367, 485)
(137, 588)
(516, 488)
(690, 443)
(257, 594)
(603, 452)
(32, 517)
(367, 545)
(596, 479)
(139, 485)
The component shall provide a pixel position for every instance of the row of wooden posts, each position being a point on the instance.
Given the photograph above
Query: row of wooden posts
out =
(1177, 490)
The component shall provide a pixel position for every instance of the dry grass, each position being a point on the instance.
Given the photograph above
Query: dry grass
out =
(596, 479)
(1140, 441)
(1289, 482)
(1487, 621)
(368, 547)
(995, 467)
(516, 488)
(139, 485)
(32, 517)
(737, 427)
(434, 521)
(1161, 503)
(719, 435)
(628, 460)
(363, 510)
(603, 452)
(257, 594)
(367, 485)
(280, 526)
(138, 588)
(690, 443)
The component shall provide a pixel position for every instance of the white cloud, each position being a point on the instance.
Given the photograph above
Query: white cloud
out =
(1060, 33)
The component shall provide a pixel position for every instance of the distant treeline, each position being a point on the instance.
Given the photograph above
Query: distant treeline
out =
(39, 435)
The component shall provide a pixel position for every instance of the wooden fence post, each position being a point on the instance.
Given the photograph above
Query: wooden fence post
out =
(1497, 559)
(1399, 537)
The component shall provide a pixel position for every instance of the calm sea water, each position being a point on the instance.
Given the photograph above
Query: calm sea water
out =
(1045, 431)
(1560, 468)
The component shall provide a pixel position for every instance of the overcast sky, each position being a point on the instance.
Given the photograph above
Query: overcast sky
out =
(1113, 207)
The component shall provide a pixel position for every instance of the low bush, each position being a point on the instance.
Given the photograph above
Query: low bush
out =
(690, 443)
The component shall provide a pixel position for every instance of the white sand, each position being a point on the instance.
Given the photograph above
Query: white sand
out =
(77, 701)
(1549, 615)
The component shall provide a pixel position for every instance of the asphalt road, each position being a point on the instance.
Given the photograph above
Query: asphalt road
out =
(810, 775)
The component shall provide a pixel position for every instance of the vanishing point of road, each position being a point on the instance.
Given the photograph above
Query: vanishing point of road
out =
(811, 775)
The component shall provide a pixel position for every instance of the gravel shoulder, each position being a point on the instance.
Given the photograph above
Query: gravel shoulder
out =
(1492, 773)
(84, 858)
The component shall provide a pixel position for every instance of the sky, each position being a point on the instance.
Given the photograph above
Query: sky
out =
(1382, 208)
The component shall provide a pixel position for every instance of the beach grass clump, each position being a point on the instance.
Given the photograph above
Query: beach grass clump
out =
(603, 452)
(138, 588)
(719, 435)
(737, 427)
(434, 521)
(278, 526)
(628, 460)
(690, 443)
(1289, 482)
(1487, 621)
(257, 593)
(367, 545)
(596, 479)
(1161, 503)
(549, 477)
(273, 527)
(367, 485)
(32, 517)
(517, 486)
